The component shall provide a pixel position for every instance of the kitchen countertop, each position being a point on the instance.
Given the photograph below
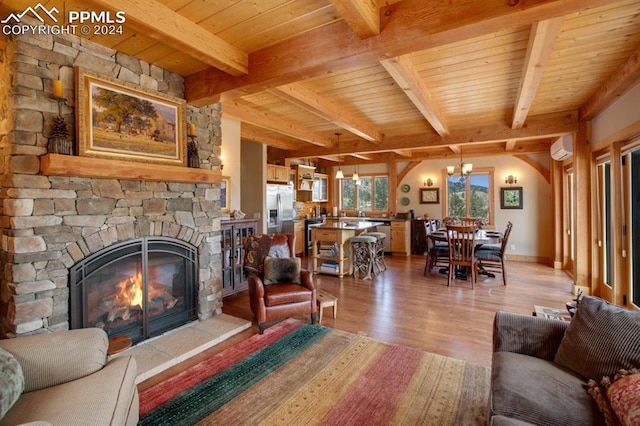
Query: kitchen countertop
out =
(359, 226)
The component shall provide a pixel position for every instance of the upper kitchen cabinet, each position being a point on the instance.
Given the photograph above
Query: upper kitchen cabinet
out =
(320, 187)
(277, 174)
(304, 183)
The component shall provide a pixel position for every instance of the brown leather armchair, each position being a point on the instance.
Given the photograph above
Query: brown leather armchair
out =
(273, 299)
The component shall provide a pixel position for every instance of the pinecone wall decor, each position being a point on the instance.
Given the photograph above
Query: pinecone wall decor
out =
(59, 142)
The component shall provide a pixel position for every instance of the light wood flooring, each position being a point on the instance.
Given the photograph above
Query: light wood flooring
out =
(402, 306)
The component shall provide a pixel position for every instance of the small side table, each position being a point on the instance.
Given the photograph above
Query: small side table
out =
(118, 344)
(325, 300)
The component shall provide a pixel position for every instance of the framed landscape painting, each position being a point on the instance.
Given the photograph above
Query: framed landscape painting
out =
(118, 120)
(511, 198)
(429, 195)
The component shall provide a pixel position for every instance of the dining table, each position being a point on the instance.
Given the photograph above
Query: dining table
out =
(482, 237)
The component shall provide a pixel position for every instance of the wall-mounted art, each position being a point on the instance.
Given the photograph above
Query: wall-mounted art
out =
(511, 197)
(118, 120)
(429, 195)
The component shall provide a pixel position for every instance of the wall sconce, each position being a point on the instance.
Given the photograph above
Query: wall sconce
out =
(59, 142)
(511, 179)
(221, 162)
(427, 182)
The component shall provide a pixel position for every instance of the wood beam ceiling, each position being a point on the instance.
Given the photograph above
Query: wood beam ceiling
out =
(335, 47)
(328, 110)
(547, 126)
(405, 75)
(363, 16)
(541, 40)
(181, 33)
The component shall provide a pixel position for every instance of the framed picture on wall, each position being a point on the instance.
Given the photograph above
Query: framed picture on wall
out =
(120, 121)
(225, 194)
(511, 198)
(429, 195)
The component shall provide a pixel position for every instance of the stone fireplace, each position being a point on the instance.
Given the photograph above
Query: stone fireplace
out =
(56, 217)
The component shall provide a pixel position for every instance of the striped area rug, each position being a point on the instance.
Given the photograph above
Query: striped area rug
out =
(297, 373)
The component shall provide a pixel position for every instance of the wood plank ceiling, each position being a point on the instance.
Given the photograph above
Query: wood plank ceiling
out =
(410, 79)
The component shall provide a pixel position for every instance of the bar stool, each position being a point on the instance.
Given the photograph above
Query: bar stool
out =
(363, 252)
(379, 262)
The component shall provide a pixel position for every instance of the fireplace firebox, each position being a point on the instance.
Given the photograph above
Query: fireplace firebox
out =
(139, 288)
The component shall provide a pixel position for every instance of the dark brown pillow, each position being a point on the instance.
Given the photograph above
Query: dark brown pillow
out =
(281, 270)
(601, 339)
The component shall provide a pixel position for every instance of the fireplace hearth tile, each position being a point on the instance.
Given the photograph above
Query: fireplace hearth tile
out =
(160, 353)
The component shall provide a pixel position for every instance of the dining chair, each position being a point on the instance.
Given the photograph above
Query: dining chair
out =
(436, 254)
(462, 241)
(492, 258)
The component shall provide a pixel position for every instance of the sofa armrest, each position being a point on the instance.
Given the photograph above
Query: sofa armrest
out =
(54, 358)
(528, 335)
(306, 279)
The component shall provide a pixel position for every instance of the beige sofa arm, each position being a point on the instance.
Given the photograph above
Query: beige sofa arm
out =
(528, 335)
(54, 358)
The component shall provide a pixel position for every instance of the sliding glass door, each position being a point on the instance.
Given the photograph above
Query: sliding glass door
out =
(604, 229)
(634, 232)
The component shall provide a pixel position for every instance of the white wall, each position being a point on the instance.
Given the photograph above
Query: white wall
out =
(230, 152)
(254, 172)
(624, 112)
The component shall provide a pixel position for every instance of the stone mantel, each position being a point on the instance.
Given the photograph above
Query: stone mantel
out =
(67, 165)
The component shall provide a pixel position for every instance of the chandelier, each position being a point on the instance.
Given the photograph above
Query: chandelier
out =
(465, 169)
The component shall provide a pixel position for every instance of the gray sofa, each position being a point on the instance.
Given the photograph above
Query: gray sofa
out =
(540, 367)
(65, 378)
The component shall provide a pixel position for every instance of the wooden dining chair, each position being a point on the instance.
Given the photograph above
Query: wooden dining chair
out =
(492, 258)
(436, 254)
(462, 241)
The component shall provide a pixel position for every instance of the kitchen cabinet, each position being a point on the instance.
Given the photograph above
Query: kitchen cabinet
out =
(298, 231)
(320, 187)
(233, 232)
(277, 174)
(304, 183)
(400, 237)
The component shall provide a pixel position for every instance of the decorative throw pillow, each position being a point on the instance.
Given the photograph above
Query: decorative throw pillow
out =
(281, 270)
(600, 340)
(11, 381)
(618, 400)
(256, 249)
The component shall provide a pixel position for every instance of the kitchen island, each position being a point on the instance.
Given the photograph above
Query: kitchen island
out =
(330, 245)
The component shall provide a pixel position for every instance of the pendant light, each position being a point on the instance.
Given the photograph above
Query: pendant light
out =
(339, 174)
(356, 177)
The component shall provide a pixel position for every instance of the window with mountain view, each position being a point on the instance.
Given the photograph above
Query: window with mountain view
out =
(371, 194)
(471, 197)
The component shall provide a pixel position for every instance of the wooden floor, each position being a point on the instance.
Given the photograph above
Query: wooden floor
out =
(402, 306)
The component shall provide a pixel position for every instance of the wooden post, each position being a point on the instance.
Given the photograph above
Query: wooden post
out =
(582, 191)
(557, 189)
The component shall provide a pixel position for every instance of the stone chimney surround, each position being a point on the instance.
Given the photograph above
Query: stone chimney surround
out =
(58, 209)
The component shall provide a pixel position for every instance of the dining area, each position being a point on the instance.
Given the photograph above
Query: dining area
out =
(461, 249)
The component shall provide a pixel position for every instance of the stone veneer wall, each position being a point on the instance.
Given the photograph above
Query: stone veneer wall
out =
(49, 223)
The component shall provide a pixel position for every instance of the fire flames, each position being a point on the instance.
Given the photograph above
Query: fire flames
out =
(130, 291)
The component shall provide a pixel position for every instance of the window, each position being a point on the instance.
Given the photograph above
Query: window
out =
(371, 194)
(471, 197)
(603, 211)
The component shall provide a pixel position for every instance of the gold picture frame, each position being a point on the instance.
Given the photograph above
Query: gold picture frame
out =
(225, 194)
(118, 120)
(429, 195)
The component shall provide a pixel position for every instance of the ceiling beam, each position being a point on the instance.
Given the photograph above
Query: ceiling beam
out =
(538, 127)
(510, 145)
(542, 37)
(363, 16)
(403, 153)
(258, 135)
(328, 110)
(245, 113)
(181, 33)
(626, 77)
(406, 76)
(335, 47)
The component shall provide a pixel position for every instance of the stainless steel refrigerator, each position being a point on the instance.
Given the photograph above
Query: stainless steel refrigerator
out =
(279, 207)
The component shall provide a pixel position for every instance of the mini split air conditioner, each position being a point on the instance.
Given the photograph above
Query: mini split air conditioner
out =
(562, 149)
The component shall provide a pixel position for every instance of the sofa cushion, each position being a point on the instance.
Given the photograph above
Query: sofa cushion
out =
(601, 340)
(256, 249)
(281, 270)
(286, 293)
(540, 392)
(11, 381)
